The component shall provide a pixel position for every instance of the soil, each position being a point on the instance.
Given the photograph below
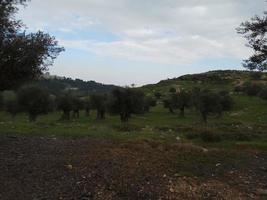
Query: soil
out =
(37, 168)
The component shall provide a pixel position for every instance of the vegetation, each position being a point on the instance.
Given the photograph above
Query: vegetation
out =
(34, 101)
(99, 103)
(255, 32)
(56, 85)
(23, 56)
(126, 102)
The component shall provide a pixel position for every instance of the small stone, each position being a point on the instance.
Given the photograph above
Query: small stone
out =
(70, 167)
(218, 164)
(171, 190)
(205, 150)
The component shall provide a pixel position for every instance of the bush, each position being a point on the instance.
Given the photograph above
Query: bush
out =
(209, 136)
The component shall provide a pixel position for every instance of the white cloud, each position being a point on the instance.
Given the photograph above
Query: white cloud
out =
(170, 31)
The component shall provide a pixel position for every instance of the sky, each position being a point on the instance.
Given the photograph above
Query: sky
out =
(142, 41)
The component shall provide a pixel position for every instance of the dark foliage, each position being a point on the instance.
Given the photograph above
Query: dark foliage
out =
(11, 103)
(87, 106)
(157, 95)
(263, 93)
(179, 100)
(126, 102)
(149, 102)
(77, 105)
(226, 101)
(169, 104)
(67, 103)
(33, 100)
(99, 103)
(209, 103)
(57, 84)
(23, 57)
(252, 89)
(172, 90)
(255, 32)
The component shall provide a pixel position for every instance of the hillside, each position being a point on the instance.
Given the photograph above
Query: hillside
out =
(57, 84)
(219, 79)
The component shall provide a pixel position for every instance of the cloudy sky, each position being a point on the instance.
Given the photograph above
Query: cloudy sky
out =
(142, 41)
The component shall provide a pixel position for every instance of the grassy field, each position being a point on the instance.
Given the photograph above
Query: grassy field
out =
(245, 124)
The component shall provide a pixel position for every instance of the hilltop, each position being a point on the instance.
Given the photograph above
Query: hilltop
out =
(219, 79)
(56, 84)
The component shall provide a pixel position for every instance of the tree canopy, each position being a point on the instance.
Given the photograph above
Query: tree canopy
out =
(255, 32)
(23, 56)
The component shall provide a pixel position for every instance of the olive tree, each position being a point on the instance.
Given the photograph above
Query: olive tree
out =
(64, 103)
(34, 101)
(126, 102)
(23, 56)
(255, 32)
(99, 103)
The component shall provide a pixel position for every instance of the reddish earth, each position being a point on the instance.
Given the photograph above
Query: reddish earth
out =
(50, 168)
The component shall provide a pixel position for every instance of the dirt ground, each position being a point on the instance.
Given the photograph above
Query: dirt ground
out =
(83, 169)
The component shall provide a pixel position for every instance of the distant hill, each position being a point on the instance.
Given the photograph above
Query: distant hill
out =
(219, 79)
(56, 84)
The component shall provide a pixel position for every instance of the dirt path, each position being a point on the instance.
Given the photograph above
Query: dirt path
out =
(50, 168)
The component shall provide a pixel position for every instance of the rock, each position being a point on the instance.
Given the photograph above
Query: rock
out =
(205, 150)
(171, 190)
(70, 167)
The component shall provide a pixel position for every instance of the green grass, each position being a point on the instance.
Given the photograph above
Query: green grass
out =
(246, 123)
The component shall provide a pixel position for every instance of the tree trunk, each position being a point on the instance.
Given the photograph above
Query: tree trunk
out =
(87, 112)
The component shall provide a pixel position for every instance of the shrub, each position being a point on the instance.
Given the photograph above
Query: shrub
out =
(172, 90)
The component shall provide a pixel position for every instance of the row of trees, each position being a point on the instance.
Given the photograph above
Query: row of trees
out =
(36, 101)
(206, 102)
